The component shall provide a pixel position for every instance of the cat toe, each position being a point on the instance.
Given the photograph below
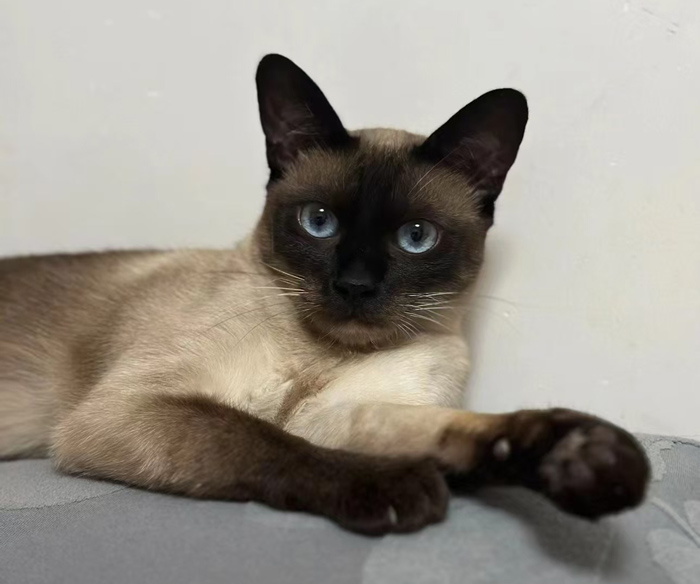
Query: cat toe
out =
(396, 498)
(594, 471)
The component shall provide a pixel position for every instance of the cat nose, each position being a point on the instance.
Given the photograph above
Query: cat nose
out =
(355, 282)
(354, 289)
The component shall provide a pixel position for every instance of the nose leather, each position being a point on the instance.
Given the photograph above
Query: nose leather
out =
(355, 281)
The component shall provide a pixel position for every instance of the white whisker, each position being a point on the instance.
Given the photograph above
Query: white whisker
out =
(423, 317)
(435, 303)
(294, 276)
(414, 331)
(277, 288)
(431, 294)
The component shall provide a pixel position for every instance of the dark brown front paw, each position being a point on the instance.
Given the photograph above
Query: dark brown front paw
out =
(594, 470)
(390, 496)
(585, 465)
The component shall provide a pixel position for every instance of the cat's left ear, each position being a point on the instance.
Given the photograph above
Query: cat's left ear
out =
(294, 113)
(481, 141)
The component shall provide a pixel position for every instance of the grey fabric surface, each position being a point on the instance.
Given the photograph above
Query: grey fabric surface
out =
(61, 530)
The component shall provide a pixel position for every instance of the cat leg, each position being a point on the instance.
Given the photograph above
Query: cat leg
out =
(585, 465)
(196, 447)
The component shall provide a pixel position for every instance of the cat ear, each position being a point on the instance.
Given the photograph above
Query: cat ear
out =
(481, 141)
(294, 113)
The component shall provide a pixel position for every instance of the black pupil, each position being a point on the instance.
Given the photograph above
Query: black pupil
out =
(319, 218)
(416, 232)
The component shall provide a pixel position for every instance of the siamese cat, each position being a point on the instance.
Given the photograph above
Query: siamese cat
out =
(319, 366)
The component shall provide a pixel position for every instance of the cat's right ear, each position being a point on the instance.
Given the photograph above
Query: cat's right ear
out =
(294, 113)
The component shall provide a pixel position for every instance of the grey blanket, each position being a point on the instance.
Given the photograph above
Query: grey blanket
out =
(61, 530)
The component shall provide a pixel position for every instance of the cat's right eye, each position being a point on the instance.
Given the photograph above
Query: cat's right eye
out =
(318, 220)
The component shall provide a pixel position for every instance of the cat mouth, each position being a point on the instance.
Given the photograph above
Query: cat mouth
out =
(355, 317)
(356, 333)
(351, 326)
(369, 311)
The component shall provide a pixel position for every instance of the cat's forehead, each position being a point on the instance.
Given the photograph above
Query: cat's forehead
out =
(388, 138)
(380, 167)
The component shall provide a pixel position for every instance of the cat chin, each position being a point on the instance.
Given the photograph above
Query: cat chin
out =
(355, 334)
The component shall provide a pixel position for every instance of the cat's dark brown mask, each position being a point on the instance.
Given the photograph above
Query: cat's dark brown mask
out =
(382, 231)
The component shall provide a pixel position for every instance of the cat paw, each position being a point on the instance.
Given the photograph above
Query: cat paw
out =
(586, 466)
(391, 497)
(595, 470)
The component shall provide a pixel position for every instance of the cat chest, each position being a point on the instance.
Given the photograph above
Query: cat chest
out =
(262, 380)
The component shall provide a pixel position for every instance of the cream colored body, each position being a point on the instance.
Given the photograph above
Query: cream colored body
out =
(199, 326)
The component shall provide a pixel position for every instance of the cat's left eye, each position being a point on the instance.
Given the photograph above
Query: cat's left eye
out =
(417, 236)
(318, 220)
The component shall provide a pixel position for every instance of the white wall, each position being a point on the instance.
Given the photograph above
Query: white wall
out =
(127, 123)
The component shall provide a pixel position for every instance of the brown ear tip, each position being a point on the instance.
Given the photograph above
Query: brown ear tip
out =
(509, 95)
(274, 61)
(512, 99)
(274, 57)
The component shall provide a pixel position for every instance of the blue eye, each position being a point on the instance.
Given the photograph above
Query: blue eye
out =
(417, 236)
(318, 220)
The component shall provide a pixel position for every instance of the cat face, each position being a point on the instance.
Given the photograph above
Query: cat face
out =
(380, 231)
